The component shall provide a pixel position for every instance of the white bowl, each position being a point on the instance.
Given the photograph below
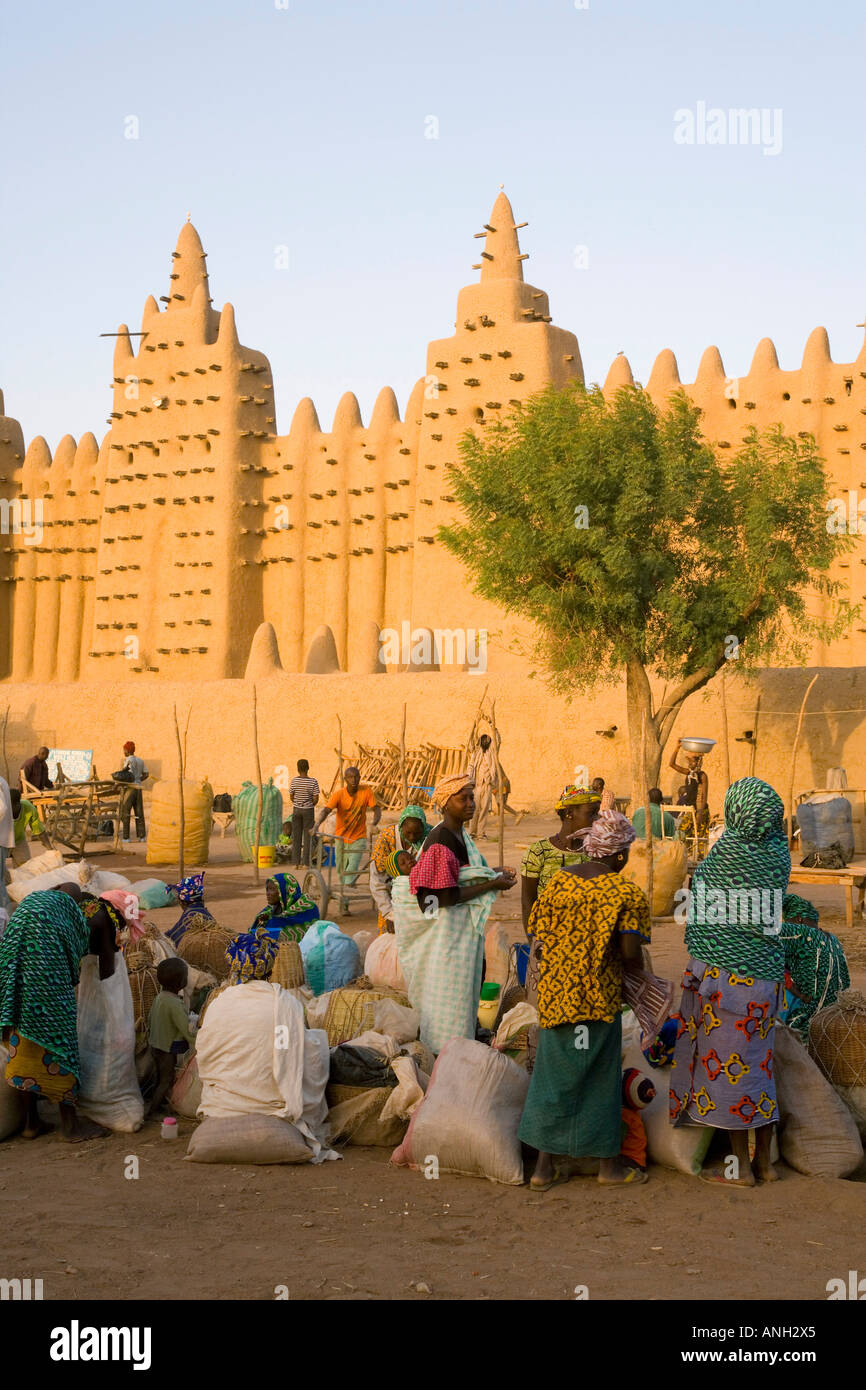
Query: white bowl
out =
(698, 745)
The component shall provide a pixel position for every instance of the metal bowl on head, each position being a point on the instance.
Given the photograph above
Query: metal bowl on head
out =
(697, 745)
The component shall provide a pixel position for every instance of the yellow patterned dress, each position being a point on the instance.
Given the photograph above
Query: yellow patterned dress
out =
(573, 1105)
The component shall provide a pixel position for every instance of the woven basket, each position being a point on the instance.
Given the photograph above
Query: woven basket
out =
(288, 968)
(204, 945)
(144, 988)
(837, 1039)
(350, 1012)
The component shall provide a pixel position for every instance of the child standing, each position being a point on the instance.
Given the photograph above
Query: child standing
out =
(168, 1026)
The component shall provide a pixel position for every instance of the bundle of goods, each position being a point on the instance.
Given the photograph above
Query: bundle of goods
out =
(246, 805)
(248, 1139)
(683, 1147)
(222, 802)
(49, 869)
(110, 1094)
(512, 1037)
(825, 822)
(152, 892)
(837, 1042)
(331, 958)
(382, 964)
(288, 969)
(204, 945)
(470, 1116)
(371, 1094)
(185, 1095)
(669, 872)
(817, 1132)
(364, 940)
(163, 838)
(144, 987)
(345, 1013)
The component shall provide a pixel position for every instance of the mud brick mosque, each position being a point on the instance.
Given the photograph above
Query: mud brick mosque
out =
(195, 545)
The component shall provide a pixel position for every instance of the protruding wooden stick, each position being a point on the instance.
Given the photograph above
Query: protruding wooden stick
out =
(259, 789)
(404, 780)
(180, 796)
(5, 759)
(726, 747)
(499, 791)
(794, 761)
(648, 831)
(185, 732)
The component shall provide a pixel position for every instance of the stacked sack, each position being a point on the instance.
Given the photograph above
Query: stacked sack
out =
(163, 836)
(245, 807)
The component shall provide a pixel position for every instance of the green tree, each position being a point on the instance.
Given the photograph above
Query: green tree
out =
(637, 548)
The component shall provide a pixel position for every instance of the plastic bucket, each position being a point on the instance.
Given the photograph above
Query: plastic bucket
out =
(267, 856)
(521, 956)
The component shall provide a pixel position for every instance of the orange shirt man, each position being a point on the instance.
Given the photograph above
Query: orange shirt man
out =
(351, 803)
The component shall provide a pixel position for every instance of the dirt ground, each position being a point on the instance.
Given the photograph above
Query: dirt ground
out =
(360, 1229)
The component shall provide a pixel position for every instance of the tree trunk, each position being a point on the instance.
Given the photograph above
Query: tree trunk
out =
(646, 751)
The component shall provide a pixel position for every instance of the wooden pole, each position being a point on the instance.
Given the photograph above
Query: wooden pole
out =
(794, 762)
(340, 745)
(471, 738)
(180, 874)
(259, 789)
(499, 795)
(404, 780)
(753, 753)
(644, 788)
(185, 732)
(5, 759)
(726, 747)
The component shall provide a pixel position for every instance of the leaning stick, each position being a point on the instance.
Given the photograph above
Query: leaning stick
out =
(185, 732)
(259, 789)
(726, 747)
(180, 797)
(794, 762)
(648, 832)
(340, 744)
(403, 775)
(500, 797)
(5, 759)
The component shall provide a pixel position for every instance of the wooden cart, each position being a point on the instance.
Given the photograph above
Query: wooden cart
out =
(72, 811)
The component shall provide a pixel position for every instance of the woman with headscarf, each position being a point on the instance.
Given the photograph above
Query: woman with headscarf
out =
(255, 1054)
(440, 912)
(288, 911)
(816, 970)
(589, 924)
(190, 892)
(408, 834)
(733, 984)
(40, 956)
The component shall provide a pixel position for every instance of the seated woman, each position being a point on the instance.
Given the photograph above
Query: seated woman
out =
(256, 1055)
(408, 834)
(816, 970)
(190, 892)
(40, 954)
(440, 913)
(288, 910)
(589, 924)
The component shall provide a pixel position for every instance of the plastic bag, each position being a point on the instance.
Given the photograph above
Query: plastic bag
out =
(381, 964)
(331, 958)
(106, 1041)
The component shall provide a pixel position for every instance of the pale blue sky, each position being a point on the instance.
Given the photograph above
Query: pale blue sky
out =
(306, 127)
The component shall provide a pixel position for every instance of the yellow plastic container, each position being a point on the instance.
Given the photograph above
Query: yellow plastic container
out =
(489, 1005)
(267, 856)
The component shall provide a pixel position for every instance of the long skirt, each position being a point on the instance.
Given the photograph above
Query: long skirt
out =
(36, 1071)
(722, 1072)
(574, 1102)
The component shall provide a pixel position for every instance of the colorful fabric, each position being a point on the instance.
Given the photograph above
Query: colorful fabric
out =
(573, 1104)
(190, 889)
(575, 795)
(722, 1073)
(436, 868)
(448, 787)
(633, 1141)
(295, 912)
(542, 860)
(732, 915)
(660, 1052)
(40, 955)
(39, 1072)
(609, 833)
(251, 956)
(815, 963)
(352, 812)
(442, 955)
(576, 922)
(391, 867)
(637, 1089)
(414, 812)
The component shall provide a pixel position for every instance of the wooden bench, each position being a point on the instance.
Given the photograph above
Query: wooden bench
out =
(851, 877)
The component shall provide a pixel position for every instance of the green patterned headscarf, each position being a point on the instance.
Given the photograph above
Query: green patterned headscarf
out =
(413, 812)
(732, 917)
(815, 961)
(40, 955)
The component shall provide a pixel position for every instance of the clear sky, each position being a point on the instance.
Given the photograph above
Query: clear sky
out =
(308, 126)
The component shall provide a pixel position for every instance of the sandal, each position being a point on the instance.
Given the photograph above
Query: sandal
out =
(560, 1175)
(636, 1175)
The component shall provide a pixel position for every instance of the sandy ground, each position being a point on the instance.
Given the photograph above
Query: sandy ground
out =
(361, 1229)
